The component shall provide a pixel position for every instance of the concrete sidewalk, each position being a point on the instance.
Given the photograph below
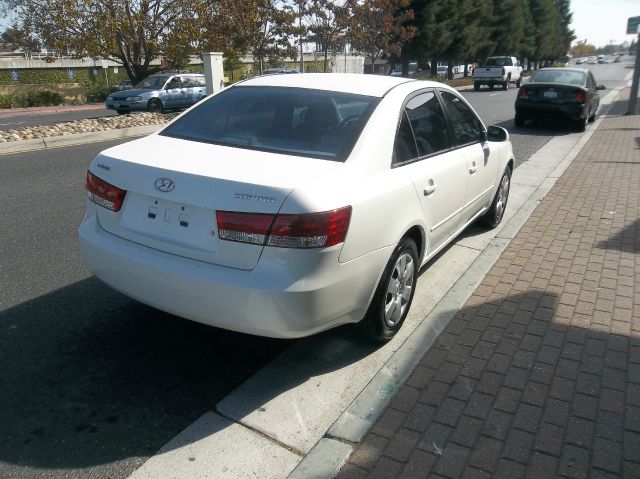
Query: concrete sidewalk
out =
(538, 375)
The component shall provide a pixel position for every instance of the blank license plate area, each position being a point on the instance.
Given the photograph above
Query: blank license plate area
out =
(185, 225)
(550, 94)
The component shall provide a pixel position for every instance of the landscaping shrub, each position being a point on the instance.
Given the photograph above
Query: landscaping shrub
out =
(7, 101)
(39, 98)
(97, 91)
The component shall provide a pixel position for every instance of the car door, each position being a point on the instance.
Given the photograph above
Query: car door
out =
(174, 93)
(438, 172)
(482, 163)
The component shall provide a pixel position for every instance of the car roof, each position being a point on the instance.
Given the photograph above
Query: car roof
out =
(580, 70)
(360, 84)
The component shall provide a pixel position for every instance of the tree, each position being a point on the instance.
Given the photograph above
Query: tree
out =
(379, 27)
(16, 38)
(327, 25)
(132, 32)
(259, 27)
(435, 27)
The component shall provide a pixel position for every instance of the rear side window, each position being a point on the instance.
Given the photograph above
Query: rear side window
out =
(405, 147)
(294, 121)
(465, 125)
(428, 123)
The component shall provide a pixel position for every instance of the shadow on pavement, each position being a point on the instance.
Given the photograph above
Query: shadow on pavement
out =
(516, 363)
(627, 240)
(539, 128)
(90, 377)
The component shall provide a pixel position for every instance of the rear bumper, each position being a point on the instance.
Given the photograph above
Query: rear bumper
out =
(490, 80)
(275, 299)
(574, 112)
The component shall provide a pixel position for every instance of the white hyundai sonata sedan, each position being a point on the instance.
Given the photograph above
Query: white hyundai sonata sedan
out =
(289, 204)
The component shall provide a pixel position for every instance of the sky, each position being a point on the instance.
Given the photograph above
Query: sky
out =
(601, 22)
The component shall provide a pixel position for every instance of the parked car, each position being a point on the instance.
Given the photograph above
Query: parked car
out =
(580, 61)
(158, 93)
(124, 85)
(497, 71)
(277, 71)
(289, 204)
(567, 93)
(592, 61)
(397, 71)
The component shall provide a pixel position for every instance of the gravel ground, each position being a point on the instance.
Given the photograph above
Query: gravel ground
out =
(85, 126)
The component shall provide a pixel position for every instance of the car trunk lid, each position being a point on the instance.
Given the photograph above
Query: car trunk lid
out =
(172, 197)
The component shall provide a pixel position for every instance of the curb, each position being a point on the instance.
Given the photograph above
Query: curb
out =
(46, 143)
(328, 455)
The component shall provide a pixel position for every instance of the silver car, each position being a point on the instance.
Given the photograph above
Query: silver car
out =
(159, 93)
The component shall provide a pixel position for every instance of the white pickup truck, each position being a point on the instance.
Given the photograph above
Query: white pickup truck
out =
(497, 71)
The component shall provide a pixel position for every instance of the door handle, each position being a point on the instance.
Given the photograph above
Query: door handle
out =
(430, 188)
(473, 168)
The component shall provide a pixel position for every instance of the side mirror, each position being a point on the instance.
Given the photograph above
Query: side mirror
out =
(601, 87)
(497, 133)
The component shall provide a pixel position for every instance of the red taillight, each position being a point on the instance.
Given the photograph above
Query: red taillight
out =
(312, 230)
(103, 193)
(581, 97)
(243, 227)
(522, 93)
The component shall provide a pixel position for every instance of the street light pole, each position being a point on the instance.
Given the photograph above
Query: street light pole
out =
(300, 35)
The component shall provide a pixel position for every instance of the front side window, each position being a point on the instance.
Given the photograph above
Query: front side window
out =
(428, 123)
(294, 121)
(465, 124)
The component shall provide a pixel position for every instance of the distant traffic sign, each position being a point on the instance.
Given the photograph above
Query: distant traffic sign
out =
(632, 25)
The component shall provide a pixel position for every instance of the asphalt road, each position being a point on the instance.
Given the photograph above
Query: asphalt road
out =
(22, 120)
(92, 382)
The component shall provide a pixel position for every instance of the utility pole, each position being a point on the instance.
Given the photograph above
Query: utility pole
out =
(633, 26)
(300, 35)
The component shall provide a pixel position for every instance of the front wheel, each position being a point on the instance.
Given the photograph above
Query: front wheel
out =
(494, 214)
(154, 106)
(392, 299)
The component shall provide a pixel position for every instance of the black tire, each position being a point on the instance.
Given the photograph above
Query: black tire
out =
(494, 214)
(476, 86)
(518, 83)
(155, 106)
(121, 112)
(377, 325)
(490, 86)
(505, 85)
(592, 118)
(519, 120)
(581, 125)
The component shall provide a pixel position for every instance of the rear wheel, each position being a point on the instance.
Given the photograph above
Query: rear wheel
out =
(505, 85)
(154, 106)
(121, 112)
(592, 118)
(494, 214)
(518, 82)
(476, 86)
(490, 86)
(519, 120)
(392, 299)
(581, 125)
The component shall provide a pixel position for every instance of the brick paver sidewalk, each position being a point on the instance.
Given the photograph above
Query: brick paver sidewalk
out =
(539, 374)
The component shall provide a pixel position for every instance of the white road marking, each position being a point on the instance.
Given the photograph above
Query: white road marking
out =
(494, 94)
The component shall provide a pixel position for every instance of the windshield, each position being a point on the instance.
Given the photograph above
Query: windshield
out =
(294, 121)
(154, 82)
(570, 77)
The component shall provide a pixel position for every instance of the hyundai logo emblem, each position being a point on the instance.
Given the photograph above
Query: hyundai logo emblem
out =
(165, 185)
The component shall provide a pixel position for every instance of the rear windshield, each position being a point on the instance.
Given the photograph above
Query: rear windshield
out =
(294, 121)
(498, 62)
(559, 76)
